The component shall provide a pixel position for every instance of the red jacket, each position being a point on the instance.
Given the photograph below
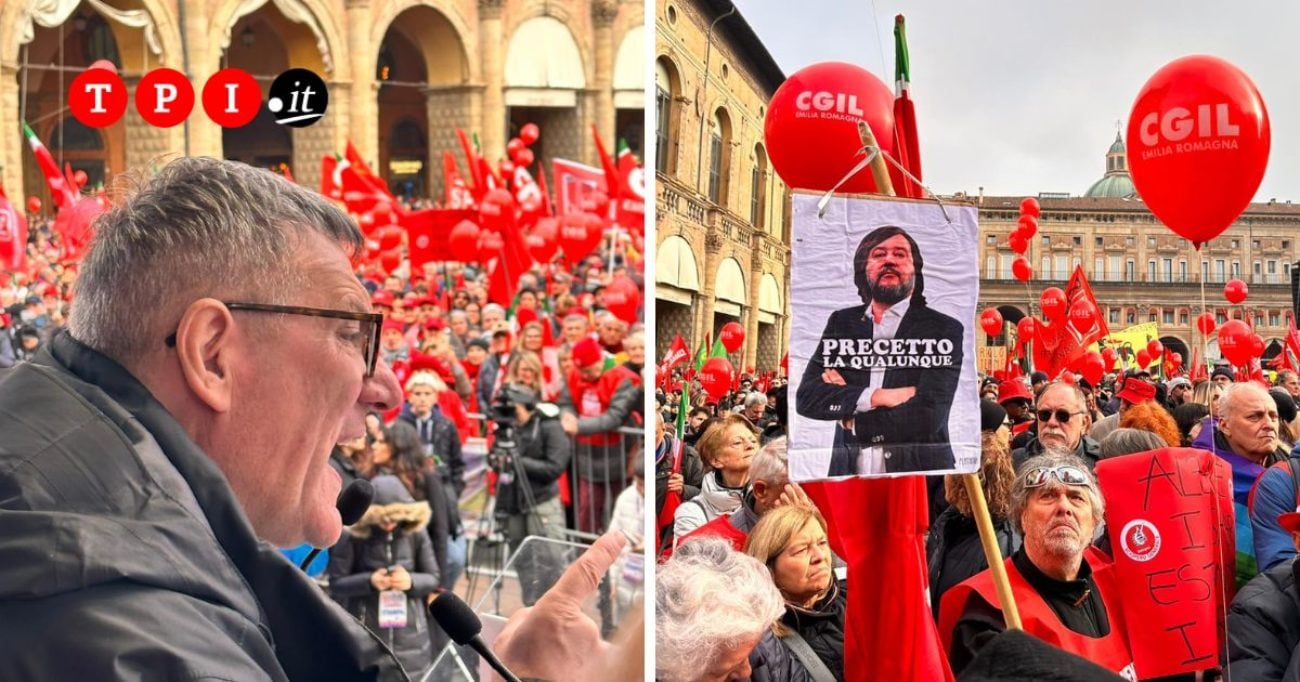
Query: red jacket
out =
(603, 389)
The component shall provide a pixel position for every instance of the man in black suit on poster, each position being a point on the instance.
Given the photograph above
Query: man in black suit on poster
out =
(886, 370)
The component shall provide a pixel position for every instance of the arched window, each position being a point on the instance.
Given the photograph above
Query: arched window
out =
(719, 157)
(758, 187)
(665, 96)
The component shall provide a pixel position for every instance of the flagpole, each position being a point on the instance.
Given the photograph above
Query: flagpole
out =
(988, 538)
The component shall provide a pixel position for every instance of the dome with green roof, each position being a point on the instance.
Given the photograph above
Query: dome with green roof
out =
(1116, 183)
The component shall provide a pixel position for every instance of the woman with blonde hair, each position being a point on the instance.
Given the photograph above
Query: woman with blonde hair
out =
(525, 368)
(1207, 393)
(953, 545)
(791, 541)
(1148, 416)
(726, 449)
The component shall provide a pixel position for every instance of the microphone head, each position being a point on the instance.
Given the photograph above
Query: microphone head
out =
(455, 617)
(354, 500)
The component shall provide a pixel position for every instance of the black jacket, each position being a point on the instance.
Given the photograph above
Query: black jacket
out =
(125, 553)
(822, 627)
(369, 548)
(954, 551)
(1264, 627)
(914, 434)
(692, 472)
(543, 454)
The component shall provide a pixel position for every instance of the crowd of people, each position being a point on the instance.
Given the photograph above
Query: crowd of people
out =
(553, 363)
(748, 587)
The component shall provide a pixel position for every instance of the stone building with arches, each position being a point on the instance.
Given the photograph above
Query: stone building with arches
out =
(722, 215)
(401, 76)
(1140, 270)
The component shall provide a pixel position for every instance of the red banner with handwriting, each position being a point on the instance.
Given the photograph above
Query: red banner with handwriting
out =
(1170, 518)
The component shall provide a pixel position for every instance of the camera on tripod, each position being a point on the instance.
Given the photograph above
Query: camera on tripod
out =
(503, 414)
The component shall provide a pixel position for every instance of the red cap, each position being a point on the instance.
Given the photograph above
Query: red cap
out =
(394, 325)
(436, 324)
(587, 352)
(411, 300)
(1012, 389)
(1136, 391)
(382, 297)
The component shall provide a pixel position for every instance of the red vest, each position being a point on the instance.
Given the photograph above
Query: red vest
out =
(720, 527)
(604, 389)
(1038, 619)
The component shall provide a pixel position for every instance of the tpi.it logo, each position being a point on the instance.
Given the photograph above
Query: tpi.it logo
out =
(165, 98)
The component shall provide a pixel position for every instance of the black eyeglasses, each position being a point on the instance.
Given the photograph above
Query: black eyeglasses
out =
(1066, 474)
(371, 325)
(1062, 416)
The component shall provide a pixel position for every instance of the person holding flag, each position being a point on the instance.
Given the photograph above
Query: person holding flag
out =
(678, 475)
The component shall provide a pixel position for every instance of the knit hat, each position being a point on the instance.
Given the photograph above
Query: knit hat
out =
(478, 343)
(1286, 407)
(394, 325)
(587, 352)
(1038, 377)
(992, 415)
(1224, 371)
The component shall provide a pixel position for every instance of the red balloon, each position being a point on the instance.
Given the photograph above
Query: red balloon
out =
(489, 244)
(1019, 242)
(991, 321)
(1198, 142)
(529, 133)
(463, 242)
(1143, 358)
(514, 146)
(1256, 346)
(543, 240)
(33, 205)
(1028, 226)
(1053, 302)
(390, 260)
(1155, 349)
(1083, 314)
(622, 297)
(1176, 359)
(715, 377)
(1029, 207)
(1205, 323)
(811, 127)
(1026, 328)
(103, 64)
(1234, 342)
(79, 176)
(732, 336)
(1235, 291)
(1092, 367)
(578, 237)
(524, 158)
(1108, 358)
(1020, 268)
(497, 210)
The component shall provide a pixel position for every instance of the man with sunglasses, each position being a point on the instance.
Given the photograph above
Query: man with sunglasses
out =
(1062, 600)
(1063, 422)
(153, 457)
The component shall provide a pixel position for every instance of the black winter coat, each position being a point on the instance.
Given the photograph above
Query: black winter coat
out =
(954, 551)
(1264, 627)
(542, 456)
(822, 627)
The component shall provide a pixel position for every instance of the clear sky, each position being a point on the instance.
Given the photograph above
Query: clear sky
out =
(1022, 96)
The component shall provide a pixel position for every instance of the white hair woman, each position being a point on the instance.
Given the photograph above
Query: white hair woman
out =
(712, 606)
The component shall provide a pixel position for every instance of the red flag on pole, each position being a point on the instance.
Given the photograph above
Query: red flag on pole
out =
(1060, 343)
(329, 177)
(907, 149)
(457, 194)
(64, 193)
(574, 183)
(427, 232)
(471, 162)
(889, 629)
(13, 236)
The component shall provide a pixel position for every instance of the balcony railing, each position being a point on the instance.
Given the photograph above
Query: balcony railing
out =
(1159, 278)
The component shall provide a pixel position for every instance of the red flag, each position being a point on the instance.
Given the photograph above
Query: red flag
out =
(1170, 515)
(672, 500)
(907, 150)
(72, 223)
(363, 171)
(574, 185)
(62, 189)
(457, 192)
(612, 185)
(1292, 337)
(329, 177)
(13, 236)
(528, 195)
(1057, 345)
(547, 209)
(472, 163)
(427, 232)
(677, 354)
(629, 205)
(889, 630)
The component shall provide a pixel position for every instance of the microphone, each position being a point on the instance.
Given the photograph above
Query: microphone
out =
(352, 504)
(460, 622)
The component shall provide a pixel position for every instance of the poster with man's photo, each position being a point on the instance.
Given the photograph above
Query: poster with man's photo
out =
(882, 345)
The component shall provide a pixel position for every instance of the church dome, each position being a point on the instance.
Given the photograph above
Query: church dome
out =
(1116, 183)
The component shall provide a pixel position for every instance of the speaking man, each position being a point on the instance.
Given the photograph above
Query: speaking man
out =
(886, 370)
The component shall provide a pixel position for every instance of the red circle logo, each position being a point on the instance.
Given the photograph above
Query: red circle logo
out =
(231, 98)
(1140, 540)
(97, 98)
(164, 98)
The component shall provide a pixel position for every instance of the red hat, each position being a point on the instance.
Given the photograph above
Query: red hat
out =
(394, 325)
(436, 324)
(1136, 391)
(587, 352)
(382, 297)
(410, 300)
(1013, 389)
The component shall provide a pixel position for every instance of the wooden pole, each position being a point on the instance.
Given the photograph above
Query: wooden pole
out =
(980, 508)
(879, 171)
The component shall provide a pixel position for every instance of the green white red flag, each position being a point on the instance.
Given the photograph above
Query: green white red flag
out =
(60, 186)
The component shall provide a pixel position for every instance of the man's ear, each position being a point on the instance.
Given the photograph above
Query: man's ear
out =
(204, 347)
(759, 488)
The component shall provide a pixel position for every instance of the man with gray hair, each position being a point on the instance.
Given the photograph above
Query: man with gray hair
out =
(1057, 507)
(769, 488)
(713, 605)
(156, 453)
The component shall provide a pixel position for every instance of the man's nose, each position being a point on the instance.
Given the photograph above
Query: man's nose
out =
(381, 392)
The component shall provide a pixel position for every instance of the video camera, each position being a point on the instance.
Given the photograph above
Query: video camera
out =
(502, 413)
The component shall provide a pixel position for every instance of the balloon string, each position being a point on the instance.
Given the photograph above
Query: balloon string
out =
(1218, 512)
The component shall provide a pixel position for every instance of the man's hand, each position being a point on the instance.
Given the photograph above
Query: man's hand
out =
(569, 423)
(399, 579)
(554, 639)
(676, 483)
(892, 397)
(833, 377)
(793, 495)
(379, 579)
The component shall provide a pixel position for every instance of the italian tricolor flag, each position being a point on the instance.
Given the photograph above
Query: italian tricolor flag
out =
(60, 187)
